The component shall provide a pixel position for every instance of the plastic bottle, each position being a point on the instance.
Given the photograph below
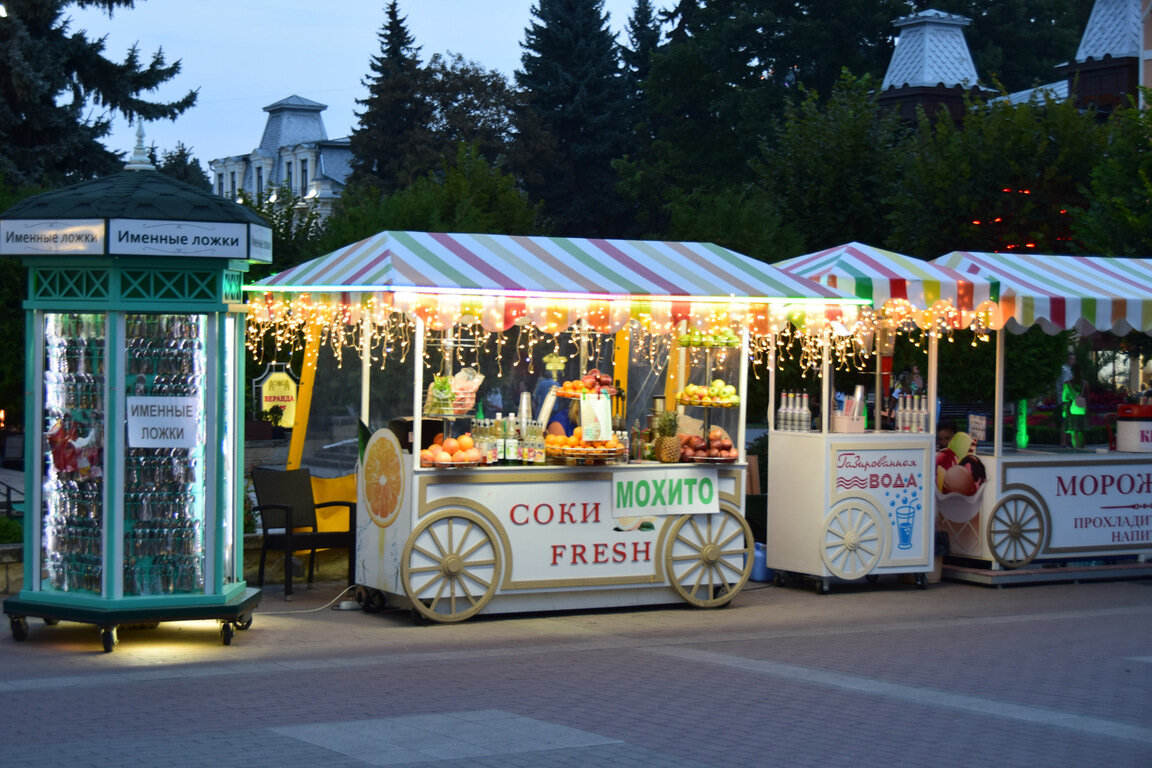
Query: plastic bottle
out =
(499, 434)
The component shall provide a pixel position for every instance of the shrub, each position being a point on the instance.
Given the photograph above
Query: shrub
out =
(11, 532)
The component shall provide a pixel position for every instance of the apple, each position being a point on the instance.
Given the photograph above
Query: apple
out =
(605, 380)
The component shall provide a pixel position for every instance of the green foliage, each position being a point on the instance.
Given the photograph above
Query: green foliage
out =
(180, 164)
(296, 228)
(967, 370)
(1117, 219)
(58, 94)
(468, 195)
(391, 145)
(1005, 179)
(11, 532)
(830, 161)
(744, 219)
(574, 91)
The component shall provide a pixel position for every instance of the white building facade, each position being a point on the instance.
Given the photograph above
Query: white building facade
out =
(295, 154)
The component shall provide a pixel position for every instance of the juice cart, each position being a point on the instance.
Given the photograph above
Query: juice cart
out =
(590, 523)
(845, 503)
(1053, 511)
(134, 335)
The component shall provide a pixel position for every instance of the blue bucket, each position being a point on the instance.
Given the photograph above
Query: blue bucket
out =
(759, 565)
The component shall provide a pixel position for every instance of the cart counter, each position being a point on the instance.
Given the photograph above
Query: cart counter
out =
(512, 538)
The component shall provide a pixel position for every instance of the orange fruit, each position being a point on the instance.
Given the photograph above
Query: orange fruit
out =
(426, 458)
(382, 478)
(577, 433)
(438, 439)
(434, 449)
(465, 440)
(443, 458)
(450, 445)
(572, 441)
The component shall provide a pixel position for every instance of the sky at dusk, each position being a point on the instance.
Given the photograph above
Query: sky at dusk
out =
(246, 54)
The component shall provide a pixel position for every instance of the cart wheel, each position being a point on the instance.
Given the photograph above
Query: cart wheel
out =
(1015, 531)
(226, 632)
(373, 601)
(853, 539)
(921, 581)
(243, 623)
(51, 621)
(109, 638)
(823, 587)
(708, 558)
(451, 565)
(19, 626)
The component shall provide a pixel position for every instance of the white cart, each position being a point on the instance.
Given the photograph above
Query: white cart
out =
(850, 506)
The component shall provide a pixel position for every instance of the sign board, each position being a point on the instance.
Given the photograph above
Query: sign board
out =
(164, 422)
(34, 237)
(894, 482)
(278, 388)
(202, 239)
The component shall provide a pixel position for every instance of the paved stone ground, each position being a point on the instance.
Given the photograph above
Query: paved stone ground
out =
(870, 675)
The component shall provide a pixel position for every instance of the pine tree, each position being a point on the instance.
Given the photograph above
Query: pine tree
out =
(392, 144)
(643, 39)
(573, 88)
(58, 94)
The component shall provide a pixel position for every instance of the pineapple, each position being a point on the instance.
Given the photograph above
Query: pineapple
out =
(667, 443)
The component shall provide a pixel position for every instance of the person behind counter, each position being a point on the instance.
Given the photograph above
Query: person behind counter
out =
(563, 421)
(945, 430)
(1074, 402)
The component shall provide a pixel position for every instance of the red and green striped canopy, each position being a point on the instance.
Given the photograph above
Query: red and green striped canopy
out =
(1086, 293)
(510, 264)
(880, 276)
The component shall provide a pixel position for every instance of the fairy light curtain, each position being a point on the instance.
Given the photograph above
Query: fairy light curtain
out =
(492, 284)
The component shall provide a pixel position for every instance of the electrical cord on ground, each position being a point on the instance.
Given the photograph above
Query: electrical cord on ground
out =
(331, 603)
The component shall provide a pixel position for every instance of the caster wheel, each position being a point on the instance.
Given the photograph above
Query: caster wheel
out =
(871, 578)
(244, 623)
(823, 587)
(921, 581)
(19, 628)
(50, 621)
(373, 601)
(780, 579)
(226, 633)
(109, 638)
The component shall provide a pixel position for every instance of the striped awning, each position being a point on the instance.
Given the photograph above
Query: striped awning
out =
(1085, 293)
(523, 265)
(881, 276)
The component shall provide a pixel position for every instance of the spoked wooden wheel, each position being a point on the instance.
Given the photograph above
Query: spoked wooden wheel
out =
(853, 539)
(708, 558)
(451, 565)
(1015, 531)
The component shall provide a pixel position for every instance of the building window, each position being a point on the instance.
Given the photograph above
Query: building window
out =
(233, 175)
(288, 176)
(259, 182)
(303, 178)
(220, 184)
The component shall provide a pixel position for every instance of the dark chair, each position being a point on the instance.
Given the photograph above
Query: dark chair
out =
(288, 522)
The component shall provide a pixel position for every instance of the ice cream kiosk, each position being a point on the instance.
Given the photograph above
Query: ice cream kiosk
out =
(845, 503)
(1069, 513)
(494, 515)
(134, 334)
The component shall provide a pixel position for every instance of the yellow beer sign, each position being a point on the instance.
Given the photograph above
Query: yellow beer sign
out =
(279, 389)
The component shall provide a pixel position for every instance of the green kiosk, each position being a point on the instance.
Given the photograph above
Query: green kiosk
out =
(133, 426)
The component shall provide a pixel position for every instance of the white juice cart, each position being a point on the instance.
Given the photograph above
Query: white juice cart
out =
(592, 531)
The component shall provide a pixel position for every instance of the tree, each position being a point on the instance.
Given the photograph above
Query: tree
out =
(296, 229)
(58, 94)
(572, 87)
(643, 39)
(469, 104)
(1117, 217)
(746, 219)
(392, 144)
(468, 194)
(180, 164)
(831, 163)
(1005, 179)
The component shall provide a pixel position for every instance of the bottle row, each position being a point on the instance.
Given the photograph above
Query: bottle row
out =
(164, 574)
(911, 414)
(74, 572)
(794, 414)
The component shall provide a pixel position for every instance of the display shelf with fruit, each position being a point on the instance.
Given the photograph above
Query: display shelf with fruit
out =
(717, 394)
(716, 447)
(719, 337)
(452, 452)
(592, 383)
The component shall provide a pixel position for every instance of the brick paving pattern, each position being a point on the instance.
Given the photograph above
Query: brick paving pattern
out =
(869, 675)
